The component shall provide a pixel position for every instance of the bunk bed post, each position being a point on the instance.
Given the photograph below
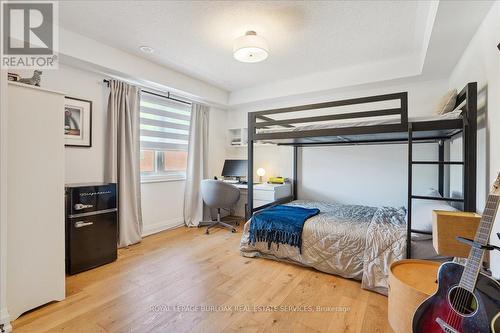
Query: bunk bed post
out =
(470, 147)
(404, 108)
(441, 167)
(295, 172)
(251, 131)
(410, 190)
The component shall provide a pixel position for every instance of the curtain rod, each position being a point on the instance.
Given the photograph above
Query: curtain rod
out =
(156, 94)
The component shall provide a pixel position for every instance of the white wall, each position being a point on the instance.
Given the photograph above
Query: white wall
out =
(217, 142)
(371, 175)
(481, 62)
(162, 202)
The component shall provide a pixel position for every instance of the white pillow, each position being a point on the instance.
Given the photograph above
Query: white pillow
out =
(421, 214)
(447, 102)
(457, 195)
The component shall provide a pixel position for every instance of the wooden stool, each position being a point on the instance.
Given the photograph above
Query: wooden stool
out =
(411, 281)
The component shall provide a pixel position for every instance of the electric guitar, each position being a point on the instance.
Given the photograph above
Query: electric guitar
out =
(466, 300)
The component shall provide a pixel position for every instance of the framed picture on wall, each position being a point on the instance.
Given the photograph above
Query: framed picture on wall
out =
(77, 122)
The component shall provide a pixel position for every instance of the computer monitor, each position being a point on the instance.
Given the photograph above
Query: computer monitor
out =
(235, 168)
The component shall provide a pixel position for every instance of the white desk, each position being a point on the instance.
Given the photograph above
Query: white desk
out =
(262, 195)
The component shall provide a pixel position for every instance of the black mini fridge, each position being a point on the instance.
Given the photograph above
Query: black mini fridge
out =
(91, 226)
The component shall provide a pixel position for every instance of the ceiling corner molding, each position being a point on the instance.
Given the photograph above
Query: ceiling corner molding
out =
(345, 77)
(429, 17)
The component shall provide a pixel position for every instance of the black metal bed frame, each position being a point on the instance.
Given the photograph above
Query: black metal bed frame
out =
(437, 131)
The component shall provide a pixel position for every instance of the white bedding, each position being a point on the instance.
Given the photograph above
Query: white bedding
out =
(360, 122)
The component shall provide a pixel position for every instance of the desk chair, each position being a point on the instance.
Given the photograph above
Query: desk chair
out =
(219, 195)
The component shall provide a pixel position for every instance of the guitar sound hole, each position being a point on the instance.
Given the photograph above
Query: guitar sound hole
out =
(463, 301)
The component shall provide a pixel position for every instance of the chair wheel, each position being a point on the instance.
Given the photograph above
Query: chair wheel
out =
(233, 230)
(206, 232)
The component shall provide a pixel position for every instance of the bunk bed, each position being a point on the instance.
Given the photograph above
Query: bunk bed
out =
(388, 124)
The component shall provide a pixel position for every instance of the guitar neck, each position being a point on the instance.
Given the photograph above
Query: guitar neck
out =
(475, 259)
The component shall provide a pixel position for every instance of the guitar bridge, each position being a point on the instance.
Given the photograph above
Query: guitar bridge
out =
(445, 327)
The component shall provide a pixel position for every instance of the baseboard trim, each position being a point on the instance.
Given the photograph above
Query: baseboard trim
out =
(162, 226)
(5, 321)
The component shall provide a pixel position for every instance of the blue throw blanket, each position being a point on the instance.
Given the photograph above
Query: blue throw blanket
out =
(280, 225)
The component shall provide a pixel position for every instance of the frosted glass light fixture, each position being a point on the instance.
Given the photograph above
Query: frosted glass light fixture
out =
(261, 172)
(250, 48)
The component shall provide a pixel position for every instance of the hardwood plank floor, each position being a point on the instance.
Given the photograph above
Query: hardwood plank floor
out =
(184, 267)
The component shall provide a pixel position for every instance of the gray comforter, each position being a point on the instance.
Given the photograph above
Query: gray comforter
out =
(351, 241)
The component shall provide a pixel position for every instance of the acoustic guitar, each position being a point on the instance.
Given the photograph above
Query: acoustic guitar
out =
(466, 300)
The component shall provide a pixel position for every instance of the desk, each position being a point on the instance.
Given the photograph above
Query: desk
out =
(262, 195)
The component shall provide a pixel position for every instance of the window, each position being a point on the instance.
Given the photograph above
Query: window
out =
(164, 138)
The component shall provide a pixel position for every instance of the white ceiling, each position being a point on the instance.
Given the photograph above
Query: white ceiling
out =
(309, 41)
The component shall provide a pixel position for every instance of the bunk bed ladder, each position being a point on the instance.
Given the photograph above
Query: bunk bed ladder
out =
(469, 140)
(410, 190)
(441, 164)
(469, 154)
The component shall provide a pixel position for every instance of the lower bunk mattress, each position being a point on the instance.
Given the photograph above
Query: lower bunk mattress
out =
(352, 241)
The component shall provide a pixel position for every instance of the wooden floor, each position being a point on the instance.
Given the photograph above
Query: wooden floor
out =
(186, 268)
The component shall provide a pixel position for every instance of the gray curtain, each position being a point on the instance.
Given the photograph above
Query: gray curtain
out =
(123, 158)
(197, 165)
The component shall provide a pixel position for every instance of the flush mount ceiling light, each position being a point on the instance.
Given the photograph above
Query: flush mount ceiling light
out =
(250, 48)
(146, 49)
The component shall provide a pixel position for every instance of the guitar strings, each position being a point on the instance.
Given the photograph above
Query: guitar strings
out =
(480, 252)
(453, 317)
(462, 300)
(458, 304)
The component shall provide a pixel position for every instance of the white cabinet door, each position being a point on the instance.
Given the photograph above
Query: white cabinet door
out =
(35, 198)
(268, 196)
(263, 194)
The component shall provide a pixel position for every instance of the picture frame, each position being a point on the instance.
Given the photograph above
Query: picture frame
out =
(77, 122)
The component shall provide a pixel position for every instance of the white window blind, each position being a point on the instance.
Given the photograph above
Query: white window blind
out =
(164, 125)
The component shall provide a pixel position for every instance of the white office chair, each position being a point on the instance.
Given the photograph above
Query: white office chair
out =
(219, 195)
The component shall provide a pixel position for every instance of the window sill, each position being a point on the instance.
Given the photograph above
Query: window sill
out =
(147, 180)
